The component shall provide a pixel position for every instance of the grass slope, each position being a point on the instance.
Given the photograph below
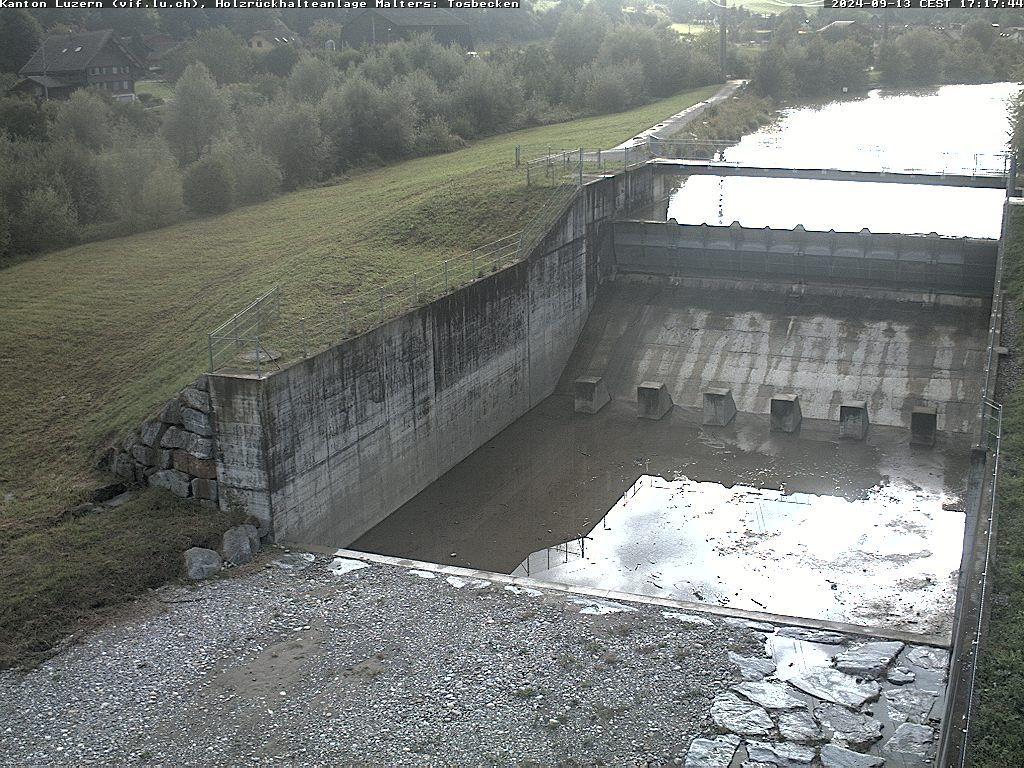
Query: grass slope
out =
(94, 338)
(997, 735)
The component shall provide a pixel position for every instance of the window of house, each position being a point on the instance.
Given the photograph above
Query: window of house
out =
(259, 43)
(78, 49)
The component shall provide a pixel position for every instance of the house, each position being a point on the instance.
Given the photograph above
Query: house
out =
(150, 50)
(377, 26)
(65, 63)
(269, 39)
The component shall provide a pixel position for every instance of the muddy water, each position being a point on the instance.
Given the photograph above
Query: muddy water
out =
(955, 128)
(553, 476)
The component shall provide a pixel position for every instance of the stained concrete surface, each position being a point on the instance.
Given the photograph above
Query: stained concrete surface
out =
(826, 349)
(554, 474)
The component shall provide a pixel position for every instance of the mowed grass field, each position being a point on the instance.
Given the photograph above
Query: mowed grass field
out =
(95, 338)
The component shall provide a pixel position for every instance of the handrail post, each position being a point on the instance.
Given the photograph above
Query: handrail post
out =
(259, 353)
(446, 275)
(209, 347)
(302, 329)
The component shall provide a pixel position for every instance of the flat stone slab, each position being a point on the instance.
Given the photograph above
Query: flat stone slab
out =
(769, 695)
(744, 718)
(870, 659)
(798, 725)
(712, 753)
(909, 705)
(900, 676)
(833, 756)
(923, 657)
(835, 686)
(910, 739)
(782, 754)
(752, 668)
(851, 729)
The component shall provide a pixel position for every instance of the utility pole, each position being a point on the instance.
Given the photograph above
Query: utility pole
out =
(723, 11)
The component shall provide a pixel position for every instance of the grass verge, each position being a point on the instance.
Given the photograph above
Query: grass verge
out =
(94, 338)
(998, 731)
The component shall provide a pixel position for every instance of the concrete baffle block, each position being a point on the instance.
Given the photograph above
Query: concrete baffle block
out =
(590, 394)
(652, 400)
(853, 420)
(785, 413)
(923, 425)
(719, 407)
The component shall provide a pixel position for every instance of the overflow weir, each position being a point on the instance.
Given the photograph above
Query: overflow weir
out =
(456, 433)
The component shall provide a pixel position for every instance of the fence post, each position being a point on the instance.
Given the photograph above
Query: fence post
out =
(517, 155)
(382, 305)
(581, 166)
(599, 166)
(475, 273)
(259, 354)
(446, 275)
(302, 330)
(209, 347)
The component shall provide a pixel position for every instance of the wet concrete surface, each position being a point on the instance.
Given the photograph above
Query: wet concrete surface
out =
(554, 474)
(825, 348)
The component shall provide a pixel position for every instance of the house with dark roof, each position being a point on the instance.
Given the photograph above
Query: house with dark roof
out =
(379, 26)
(64, 63)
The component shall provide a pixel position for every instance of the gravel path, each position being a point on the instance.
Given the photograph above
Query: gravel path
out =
(379, 665)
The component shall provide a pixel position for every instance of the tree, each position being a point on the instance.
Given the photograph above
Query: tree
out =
(772, 75)
(966, 62)
(84, 118)
(20, 35)
(221, 51)
(924, 55)
(45, 220)
(310, 79)
(982, 31)
(323, 30)
(277, 61)
(846, 66)
(256, 177)
(290, 134)
(208, 186)
(22, 118)
(578, 37)
(142, 178)
(198, 114)
(83, 179)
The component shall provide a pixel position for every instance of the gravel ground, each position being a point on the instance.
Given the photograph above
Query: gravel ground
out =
(381, 665)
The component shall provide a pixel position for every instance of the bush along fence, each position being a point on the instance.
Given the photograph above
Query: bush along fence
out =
(174, 449)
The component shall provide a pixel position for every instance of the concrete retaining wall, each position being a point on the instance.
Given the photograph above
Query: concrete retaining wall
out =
(962, 266)
(325, 449)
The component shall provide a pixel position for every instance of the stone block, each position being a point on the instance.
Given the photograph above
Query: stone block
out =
(923, 425)
(193, 398)
(174, 437)
(205, 469)
(204, 489)
(202, 383)
(590, 394)
(200, 447)
(165, 458)
(785, 413)
(197, 421)
(237, 545)
(152, 432)
(123, 467)
(719, 407)
(171, 414)
(652, 400)
(853, 420)
(201, 563)
(176, 482)
(145, 455)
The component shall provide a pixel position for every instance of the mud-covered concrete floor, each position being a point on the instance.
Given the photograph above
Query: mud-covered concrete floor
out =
(553, 475)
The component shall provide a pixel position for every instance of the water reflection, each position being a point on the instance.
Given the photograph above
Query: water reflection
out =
(954, 129)
(889, 559)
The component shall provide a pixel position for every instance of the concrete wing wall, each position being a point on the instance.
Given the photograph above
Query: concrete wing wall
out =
(330, 446)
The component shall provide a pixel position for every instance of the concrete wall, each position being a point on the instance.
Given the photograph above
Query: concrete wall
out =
(962, 266)
(327, 448)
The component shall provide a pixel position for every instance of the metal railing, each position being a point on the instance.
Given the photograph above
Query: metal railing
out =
(549, 557)
(558, 167)
(240, 335)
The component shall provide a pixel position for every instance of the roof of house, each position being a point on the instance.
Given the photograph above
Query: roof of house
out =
(837, 26)
(71, 53)
(427, 17)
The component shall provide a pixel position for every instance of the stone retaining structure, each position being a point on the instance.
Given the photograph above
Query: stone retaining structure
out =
(175, 449)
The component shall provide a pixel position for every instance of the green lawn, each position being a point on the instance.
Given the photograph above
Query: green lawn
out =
(96, 337)
(690, 29)
(157, 88)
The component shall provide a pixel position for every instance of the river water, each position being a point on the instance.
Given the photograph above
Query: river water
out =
(955, 128)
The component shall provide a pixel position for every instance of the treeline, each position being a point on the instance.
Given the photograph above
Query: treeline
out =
(242, 129)
(814, 66)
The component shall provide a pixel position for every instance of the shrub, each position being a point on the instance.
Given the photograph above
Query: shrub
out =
(208, 186)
